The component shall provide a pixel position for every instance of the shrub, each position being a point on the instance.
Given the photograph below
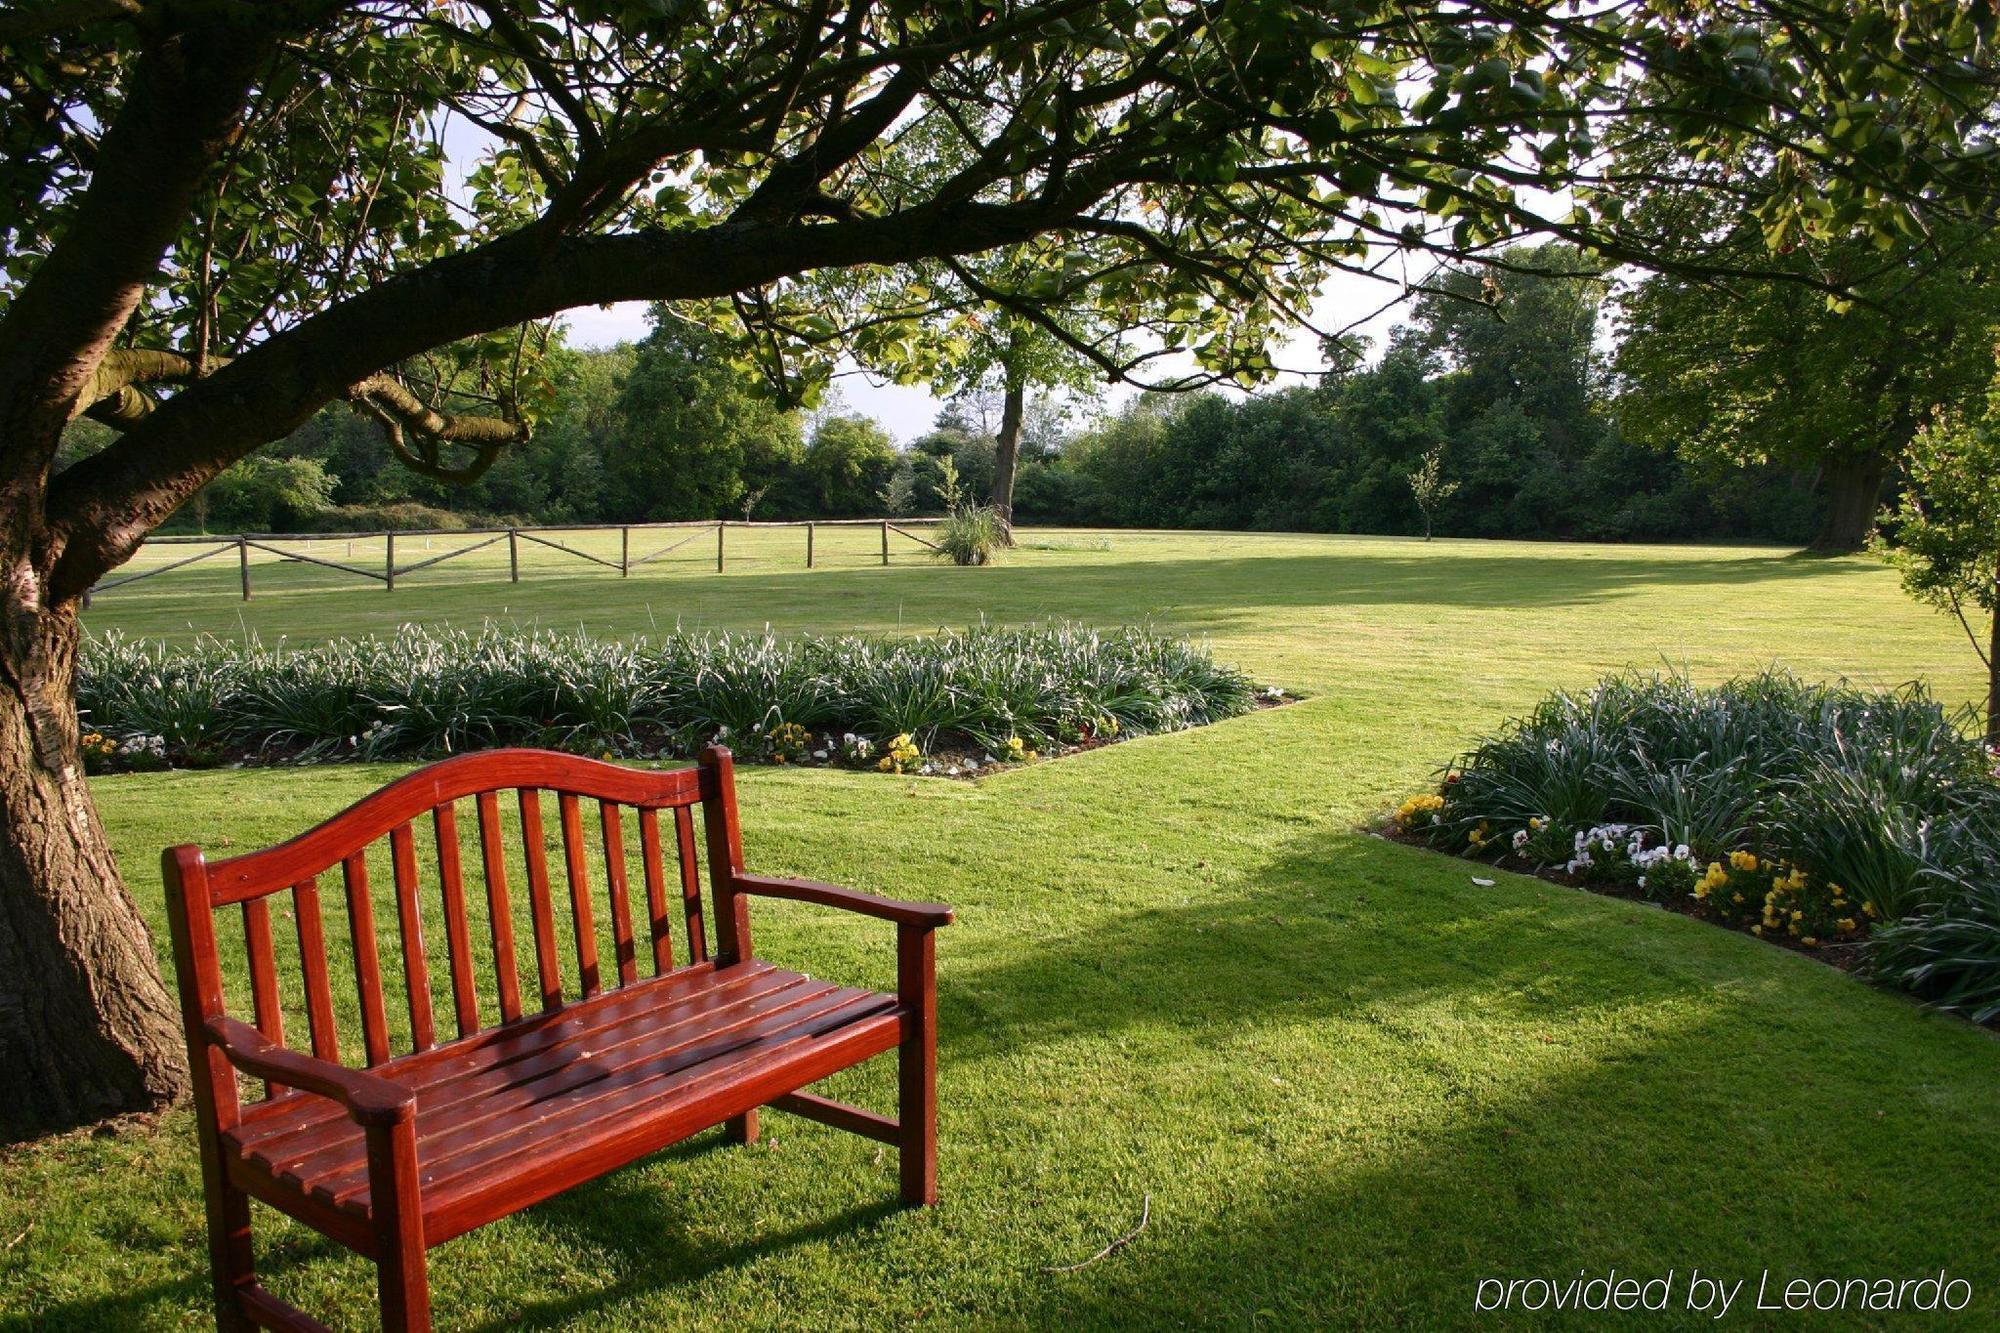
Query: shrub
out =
(970, 534)
(1948, 948)
(1820, 813)
(1004, 693)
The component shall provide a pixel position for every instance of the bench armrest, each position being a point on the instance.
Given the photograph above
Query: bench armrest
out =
(927, 915)
(369, 1099)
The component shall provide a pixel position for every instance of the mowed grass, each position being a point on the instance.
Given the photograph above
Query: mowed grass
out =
(1351, 1081)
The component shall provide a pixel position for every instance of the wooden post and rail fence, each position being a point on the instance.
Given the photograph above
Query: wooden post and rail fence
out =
(481, 538)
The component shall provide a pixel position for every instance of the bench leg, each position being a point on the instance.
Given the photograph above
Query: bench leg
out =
(741, 1129)
(229, 1253)
(916, 1064)
(402, 1280)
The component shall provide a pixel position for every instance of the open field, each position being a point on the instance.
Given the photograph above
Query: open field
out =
(1351, 1081)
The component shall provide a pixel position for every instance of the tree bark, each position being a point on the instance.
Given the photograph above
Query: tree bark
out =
(87, 1029)
(1007, 452)
(1853, 485)
(1993, 671)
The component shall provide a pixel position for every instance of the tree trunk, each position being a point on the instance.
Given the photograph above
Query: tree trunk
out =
(1007, 452)
(1993, 671)
(87, 1029)
(1853, 495)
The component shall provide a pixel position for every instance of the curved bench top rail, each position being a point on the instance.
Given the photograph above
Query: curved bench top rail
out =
(325, 845)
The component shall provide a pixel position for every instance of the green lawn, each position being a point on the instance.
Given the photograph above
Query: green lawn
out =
(1351, 1081)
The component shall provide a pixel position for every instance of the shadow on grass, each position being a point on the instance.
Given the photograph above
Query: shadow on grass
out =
(647, 1227)
(1499, 1082)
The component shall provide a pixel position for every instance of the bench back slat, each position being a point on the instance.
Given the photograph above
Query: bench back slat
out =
(697, 929)
(367, 958)
(535, 852)
(613, 838)
(385, 870)
(576, 870)
(410, 926)
(493, 855)
(457, 927)
(264, 977)
(658, 918)
(319, 985)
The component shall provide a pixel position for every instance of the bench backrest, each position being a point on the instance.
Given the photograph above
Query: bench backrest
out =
(622, 890)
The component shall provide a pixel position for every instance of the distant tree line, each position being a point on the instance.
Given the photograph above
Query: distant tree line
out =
(1532, 422)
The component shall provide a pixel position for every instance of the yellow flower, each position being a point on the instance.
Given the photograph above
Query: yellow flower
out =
(1701, 889)
(886, 764)
(1735, 897)
(1810, 942)
(1846, 923)
(1869, 908)
(1743, 860)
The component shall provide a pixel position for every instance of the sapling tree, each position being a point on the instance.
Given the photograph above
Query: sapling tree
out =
(217, 216)
(1430, 487)
(1946, 531)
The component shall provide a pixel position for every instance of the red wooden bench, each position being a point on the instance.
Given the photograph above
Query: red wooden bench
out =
(576, 1075)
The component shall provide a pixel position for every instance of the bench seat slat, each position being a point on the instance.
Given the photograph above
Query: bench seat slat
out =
(593, 1082)
(561, 1090)
(575, 1026)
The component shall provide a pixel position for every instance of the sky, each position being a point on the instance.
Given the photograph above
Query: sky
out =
(907, 412)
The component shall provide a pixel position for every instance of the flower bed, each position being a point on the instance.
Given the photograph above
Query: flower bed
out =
(952, 704)
(1863, 826)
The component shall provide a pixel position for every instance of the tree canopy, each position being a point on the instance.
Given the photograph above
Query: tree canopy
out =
(218, 216)
(1739, 374)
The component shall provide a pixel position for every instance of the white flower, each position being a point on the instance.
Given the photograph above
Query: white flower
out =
(1520, 840)
(819, 754)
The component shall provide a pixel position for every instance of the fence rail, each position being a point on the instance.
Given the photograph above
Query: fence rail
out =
(243, 543)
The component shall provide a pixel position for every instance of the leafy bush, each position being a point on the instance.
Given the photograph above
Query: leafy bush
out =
(848, 699)
(970, 534)
(1818, 811)
(401, 516)
(1948, 948)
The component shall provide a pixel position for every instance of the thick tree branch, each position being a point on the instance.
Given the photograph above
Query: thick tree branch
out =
(106, 504)
(186, 100)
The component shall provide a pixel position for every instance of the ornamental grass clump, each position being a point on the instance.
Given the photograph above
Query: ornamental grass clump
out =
(1001, 694)
(1818, 815)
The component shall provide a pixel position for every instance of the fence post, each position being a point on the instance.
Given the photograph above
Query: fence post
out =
(625, 553)
(243, 563)
(389, 562)
(720, 524)
(513, 556)
(885, 541)
(809, 546)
